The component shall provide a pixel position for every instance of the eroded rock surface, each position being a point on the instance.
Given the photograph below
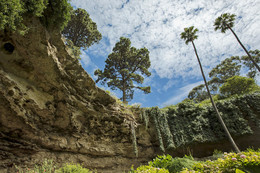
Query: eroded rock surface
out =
(51, 108)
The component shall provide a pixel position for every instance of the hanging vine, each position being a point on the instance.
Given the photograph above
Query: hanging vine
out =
(146, 118)
(189, 123)
(154, 113)
(165, 129)
(134, 139)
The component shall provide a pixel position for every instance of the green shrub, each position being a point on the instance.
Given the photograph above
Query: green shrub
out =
(70, 168)
(161, 161)
(177, 164)
(54, 13)
(150, 169)
(238, 85)
(246, 161)
(10, 14)
(173, 165)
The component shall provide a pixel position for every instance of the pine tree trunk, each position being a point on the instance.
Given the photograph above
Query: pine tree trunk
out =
(124, 94)
(214, 106)
(248, 54)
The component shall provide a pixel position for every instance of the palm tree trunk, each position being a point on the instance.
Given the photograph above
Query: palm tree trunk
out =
(248, 54)
(214, 106)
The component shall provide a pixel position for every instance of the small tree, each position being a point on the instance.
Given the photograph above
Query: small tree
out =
(225, 22)
(238, 85)
(81, 30)
(189, 35)
(125, 66)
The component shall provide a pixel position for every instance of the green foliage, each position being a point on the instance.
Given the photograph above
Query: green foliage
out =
(10, 14)
(160, 120)
(81, 30)
(173, 165)
(249, 64)
(208, 102)
(46, 167)
(154, 113)
(125, 66)
(219, 74)
(198, 93)
(145, 118)
(57, 14)
(201, 123)
(74, 49)
(189, 34)
(35, 7)
(134, 139)
(238, 85)
(177, 164)
(53, 13)
(226, 69)
(224, 22)
(162, 128)
(150, 169)
(71, 168)
(161, 161)
(246, 161)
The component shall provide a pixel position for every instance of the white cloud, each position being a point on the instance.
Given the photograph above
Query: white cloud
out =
(85, 60)
(169, 84)
(182, 93)
(157, 24)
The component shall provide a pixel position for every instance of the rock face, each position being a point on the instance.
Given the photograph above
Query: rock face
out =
(51, 108)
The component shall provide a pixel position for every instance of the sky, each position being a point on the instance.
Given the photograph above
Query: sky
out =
(157, 25)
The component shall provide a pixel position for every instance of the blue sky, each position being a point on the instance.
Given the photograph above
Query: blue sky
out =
(156, 25)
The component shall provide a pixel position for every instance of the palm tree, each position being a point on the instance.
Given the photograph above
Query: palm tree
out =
(225, 22)
(189, 35)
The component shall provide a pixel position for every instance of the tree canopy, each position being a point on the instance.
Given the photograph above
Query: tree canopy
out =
(238, 85)
(81, 30)
(198, 93)
(53, 13)
(125, 68)
(226, 69)
(252, 70)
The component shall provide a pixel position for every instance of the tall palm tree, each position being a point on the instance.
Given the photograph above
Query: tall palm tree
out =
(225, 22)
(189, 35)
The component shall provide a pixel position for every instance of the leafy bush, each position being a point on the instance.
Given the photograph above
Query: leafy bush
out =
(238, 85)
(10, 14)
(173, 165)
(177, 164)
(246, 161)
(69, 168)
(150, 169)
(161, 161)
(54, 13)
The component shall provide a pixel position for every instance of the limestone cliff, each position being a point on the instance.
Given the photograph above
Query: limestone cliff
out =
(51, 108)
